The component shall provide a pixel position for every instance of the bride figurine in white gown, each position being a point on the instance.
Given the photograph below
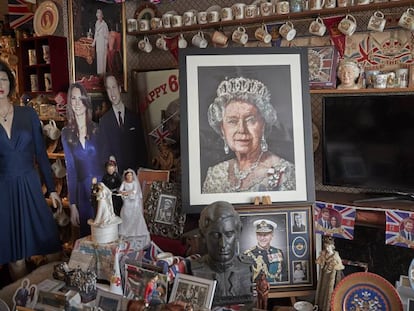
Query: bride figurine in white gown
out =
(133, 222)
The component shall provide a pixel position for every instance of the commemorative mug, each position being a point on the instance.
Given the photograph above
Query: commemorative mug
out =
(240, 35)
(238, 10)
(380, 81)
(347, 25)
(266, 8)
(213, 16)
(166, 20)
(188, 18)
(156, 23)
(262, 34)
(145, 45)
(176, 21)
(219, 38)
(330, 4)
(343, 3)
(46, 53)
(161, 43)
(250, 11)
(226, 14)
(202, 17)
(304, 306)
(363, 2)
(287, 31)
(143, 24)
(32, 57)
(282, 7)
(407, 19)
(199, 41)
(182, 43)
(48, 81)
(317, 27)
(316, 4)
(132, 25)
(402, 77)
(377, 22)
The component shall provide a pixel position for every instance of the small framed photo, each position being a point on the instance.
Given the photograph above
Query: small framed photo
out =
(410, 304)
(163, 210)
(269, 234)
(194, 290)
(108, 301)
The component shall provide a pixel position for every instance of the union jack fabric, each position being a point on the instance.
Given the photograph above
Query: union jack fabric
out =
(395, 229)
(161, 135)
(20, 13)
(344, 216)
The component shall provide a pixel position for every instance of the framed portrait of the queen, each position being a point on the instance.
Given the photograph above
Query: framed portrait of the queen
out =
(245, 126)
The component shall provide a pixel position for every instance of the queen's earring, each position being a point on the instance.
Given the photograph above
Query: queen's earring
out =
(226, 147)
(263, 144)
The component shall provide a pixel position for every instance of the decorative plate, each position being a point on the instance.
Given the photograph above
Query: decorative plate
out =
(46, 18)
(411, 274)
(365, 291)
(145, 11)
(214, 8)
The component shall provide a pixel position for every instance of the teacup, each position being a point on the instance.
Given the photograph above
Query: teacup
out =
(347, 25)
(343, 3)
(287, 31)
(262, 34)
(330, 4)
(161, 43)
(304, 306)
(238, 10)
(407, 19)
(316, 4)
(226, 14)
(240, 35)
(317, 27)
(219, 38)
(143, 24)
(58, 169)
(145, 45)
(363, 2)
(132, 25)
(182, 43)
(51, 130)
(282, 7)
(199, 41)
(377, 22)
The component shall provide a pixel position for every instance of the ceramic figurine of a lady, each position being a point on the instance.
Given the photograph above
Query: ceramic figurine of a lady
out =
(348, 73)
(330, 273)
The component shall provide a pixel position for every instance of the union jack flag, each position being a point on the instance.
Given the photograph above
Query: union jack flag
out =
(344, 216)
(20, 13)
(394, 228)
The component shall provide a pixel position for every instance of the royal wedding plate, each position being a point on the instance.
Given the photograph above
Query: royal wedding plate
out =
(46, 18)
(365, 291)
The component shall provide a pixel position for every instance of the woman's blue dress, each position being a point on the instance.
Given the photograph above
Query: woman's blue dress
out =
(27, 226)
(82, 165)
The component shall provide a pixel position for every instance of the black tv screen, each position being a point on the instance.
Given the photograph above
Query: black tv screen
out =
(368, 142)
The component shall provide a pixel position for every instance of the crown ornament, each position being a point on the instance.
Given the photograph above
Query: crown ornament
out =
(242, 85)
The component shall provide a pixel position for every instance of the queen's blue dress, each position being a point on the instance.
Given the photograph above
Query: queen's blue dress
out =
(27, 226)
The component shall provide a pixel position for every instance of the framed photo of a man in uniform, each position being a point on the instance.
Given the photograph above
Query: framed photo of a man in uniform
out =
(285, 256)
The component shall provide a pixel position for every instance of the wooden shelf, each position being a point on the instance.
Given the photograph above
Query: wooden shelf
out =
(278, 17)
(363, 91)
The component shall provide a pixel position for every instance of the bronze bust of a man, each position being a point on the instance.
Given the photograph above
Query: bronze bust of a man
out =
(220, 227)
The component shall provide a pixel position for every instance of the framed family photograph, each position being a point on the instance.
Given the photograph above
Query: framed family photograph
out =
(97, 42)
(284, 255)
(245, 126)
(193, 290)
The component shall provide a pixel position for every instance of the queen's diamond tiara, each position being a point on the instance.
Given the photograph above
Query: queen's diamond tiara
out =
(242, 85)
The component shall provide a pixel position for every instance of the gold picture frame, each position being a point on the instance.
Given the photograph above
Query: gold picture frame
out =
(82, 18)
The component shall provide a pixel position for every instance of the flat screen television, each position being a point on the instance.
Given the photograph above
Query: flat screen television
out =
(368, 142)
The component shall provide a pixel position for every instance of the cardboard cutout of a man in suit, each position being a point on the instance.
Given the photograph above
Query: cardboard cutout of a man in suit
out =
(121, 131)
